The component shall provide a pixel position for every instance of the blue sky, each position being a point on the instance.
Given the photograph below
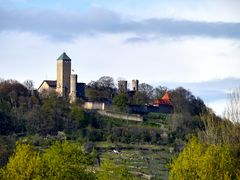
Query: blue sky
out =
(190, 43)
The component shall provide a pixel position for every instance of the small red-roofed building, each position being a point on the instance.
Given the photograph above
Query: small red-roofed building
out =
(165, 100)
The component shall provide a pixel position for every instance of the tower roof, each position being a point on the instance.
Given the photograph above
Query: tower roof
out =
(64, 57)
(166, 97)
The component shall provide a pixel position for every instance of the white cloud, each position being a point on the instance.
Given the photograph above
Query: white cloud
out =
(27, 55)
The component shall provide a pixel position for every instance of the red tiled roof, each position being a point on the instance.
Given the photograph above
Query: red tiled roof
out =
(164, 100)
(166, 97)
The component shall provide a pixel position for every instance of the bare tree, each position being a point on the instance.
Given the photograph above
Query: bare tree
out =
(232, 111)
(29, 85)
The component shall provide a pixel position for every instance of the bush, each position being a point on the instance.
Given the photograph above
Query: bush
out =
(63, 160)
(109, 170)
(201, 161)
(24, 164)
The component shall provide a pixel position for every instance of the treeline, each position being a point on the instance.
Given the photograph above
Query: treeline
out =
(22, 111)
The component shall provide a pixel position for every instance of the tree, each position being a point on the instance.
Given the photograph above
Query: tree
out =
(51, 116)
(180, 99)
(6, 124)
(121, 101)
(65, 160)
(101, 90)
(159, 91)
(201, 161)
(29, 85)
(77, 114)
(147, 90)
(140, 98)
(10, 86)
(109, 170)
(106, 82)
(184, 102)
(232, 111)
(24, 164)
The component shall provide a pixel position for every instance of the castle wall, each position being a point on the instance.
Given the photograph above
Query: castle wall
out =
(122, 116)
(94, 106)
(141, 109)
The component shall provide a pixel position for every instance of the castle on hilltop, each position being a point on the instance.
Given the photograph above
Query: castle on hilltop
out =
(66, 83)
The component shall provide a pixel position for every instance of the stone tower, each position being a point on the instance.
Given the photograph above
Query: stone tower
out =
(73, 88)
(135, 85)
(63, 75)
(122, 86)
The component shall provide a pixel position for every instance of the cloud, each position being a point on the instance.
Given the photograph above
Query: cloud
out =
(210, 90)
(65, 25)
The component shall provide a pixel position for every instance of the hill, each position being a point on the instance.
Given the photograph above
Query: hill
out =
(143, 148)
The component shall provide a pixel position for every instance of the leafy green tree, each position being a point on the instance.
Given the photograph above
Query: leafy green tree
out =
(202, 161)
(65, 160)
(54, 112)
(24, 164)
(77, 114)
(121, 101)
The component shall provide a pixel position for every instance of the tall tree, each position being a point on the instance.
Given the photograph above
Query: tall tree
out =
(232, 111)
(29, 85)
(101, 90)
(159, 91)
(106, 82)
(147, 90)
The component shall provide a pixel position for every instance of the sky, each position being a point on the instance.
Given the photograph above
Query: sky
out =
(189, 43)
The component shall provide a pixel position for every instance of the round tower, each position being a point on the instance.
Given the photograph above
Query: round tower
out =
(73, 88)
